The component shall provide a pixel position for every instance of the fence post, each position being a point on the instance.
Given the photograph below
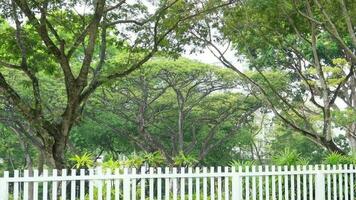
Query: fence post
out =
(4, 188)
(126, 185)
(320, 184)
(236, 184)
(239, 184)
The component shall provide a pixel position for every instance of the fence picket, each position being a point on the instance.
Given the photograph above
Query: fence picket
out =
(166, 184)
(340, 183)
(126, 184)
(334, 184)
(352, 186)
(212, 184)
(286, 185)
(4, 186)
(190, 184)
(247, 184)
(64, 185)
(16, 185)
(273, 169)
(299, 192)
(159, 184)
(72, 185)
(143, 187)
(45, 185)
(267, 183)
(239, 184)
(182, 184)
(254, 189)
(134, 181)
(346, 183)
(175, 185)
(226, 184)
(151, 185)
(108, 185)
(35, 185)
(260, 184)
(117, 184)
(197, 184)
(328, 178)
(205, 184)
(25, 185)
(54, 184)
(82, 185)
(91, 185)
(219, 184)
(319, 183)
(292, 184)
(304, 183)
(311, 183)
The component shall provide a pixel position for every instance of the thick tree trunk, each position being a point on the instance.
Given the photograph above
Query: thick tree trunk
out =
(55, 144)
(351, 136)
(59, 149)
(331, 146)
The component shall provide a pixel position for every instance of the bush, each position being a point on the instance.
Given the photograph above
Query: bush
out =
(289, 157)
(243, 163)
(182, 160)
(336, 159)
(83, 161)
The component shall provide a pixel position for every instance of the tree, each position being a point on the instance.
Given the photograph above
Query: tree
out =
(176, 107)
(54, 37)
(312, 41)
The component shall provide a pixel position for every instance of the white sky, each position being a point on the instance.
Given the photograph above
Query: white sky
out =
(208, 58)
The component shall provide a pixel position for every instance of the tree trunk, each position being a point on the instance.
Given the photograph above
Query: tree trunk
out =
(350, 134)
(59, 148)
(55, 144)
(180, 131)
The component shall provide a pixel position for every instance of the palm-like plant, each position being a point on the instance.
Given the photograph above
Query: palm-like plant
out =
(83, 161)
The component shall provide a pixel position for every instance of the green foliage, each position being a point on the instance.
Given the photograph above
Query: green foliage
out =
(285, 137)
(344, 117)
(135, 161)
(289, 157)
(336, 159)
(183, 160)
(111, 164)
(83, 161)
(95, 136)
(154, 159)
(242, 163)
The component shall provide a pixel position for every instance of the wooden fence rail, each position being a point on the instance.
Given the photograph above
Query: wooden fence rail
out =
(313, 182)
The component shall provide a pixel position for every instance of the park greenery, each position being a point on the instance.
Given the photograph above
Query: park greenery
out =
(89, 83)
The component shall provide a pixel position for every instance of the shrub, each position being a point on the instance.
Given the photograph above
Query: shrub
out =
(289, 157)
(243, 163)
(336, 158)
(154, 159)
(183, 160)
(84, 161)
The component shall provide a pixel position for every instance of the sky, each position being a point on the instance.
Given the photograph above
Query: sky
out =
(208, 58)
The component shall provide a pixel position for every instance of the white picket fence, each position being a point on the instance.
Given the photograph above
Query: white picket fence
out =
(317, 182)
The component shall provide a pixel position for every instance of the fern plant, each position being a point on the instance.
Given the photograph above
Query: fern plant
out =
(243, 163)
(336, 159)
(289, 157)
